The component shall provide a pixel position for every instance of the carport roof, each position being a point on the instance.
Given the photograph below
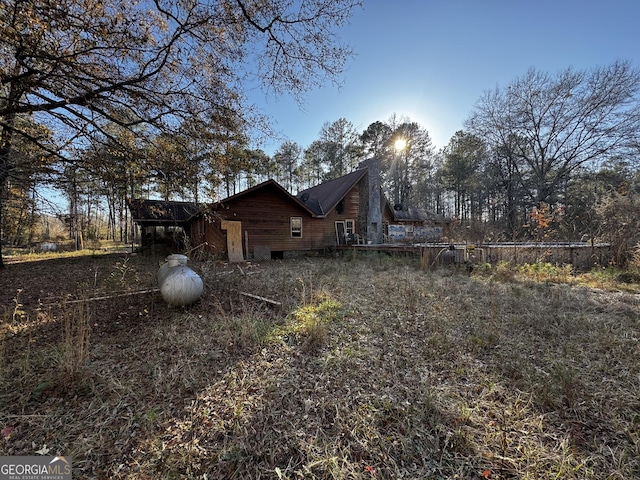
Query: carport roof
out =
(160, 212)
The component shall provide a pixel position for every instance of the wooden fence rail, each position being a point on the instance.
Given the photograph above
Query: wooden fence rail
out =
(582, 256)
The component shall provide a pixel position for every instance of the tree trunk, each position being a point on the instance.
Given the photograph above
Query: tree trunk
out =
(2, 189)
(5, 167)
(32, 216)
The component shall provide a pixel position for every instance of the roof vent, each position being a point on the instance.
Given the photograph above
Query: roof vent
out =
(304, 197)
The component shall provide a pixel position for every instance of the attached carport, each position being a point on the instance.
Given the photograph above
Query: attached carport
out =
(163, 222)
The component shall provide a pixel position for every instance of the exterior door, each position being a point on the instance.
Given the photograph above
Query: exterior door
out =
(340, 233)
(234, 240)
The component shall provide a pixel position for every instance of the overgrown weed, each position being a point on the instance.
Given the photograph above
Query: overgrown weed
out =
(546, 272)
(361, 367)
(76, 333)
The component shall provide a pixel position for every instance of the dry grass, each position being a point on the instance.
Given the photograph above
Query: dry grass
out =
(370, 368)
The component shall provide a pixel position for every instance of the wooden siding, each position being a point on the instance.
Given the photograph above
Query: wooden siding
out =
(209, 231)
(323, 230)
(266, 220)
(266, 215)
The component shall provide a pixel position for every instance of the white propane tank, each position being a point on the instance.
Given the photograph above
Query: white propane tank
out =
(172, 260)
(181, 286)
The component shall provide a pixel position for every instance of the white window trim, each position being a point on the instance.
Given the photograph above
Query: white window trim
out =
(349, 226)
(291, 227)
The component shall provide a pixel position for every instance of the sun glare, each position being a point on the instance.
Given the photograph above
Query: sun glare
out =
(400, 144)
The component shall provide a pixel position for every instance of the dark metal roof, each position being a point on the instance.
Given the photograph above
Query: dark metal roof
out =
(324, 197)
(161, 212)
(413, 214)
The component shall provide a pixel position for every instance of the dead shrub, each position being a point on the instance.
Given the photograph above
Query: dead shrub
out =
(76, 326)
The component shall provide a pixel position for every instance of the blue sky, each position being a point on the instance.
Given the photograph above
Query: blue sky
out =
(431, 60)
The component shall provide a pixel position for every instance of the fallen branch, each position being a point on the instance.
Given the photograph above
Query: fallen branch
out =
(106, 297)
(257, 297)
(197, 247)
(226, 272)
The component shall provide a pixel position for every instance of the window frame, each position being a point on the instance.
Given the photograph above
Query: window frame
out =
(295, 231)
(349, 226)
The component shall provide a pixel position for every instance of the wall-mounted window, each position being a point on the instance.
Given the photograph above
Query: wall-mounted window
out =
(349, 227)
(340, 207)
(296, 227)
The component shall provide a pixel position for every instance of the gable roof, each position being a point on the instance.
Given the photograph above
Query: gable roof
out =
(269, 184)
(161, 212)
(323, 198)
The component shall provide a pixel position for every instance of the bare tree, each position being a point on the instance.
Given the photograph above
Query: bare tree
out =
(552, 124)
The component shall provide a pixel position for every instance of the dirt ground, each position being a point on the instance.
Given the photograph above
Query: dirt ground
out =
(33, 290)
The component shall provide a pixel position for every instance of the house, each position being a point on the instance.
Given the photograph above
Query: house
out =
(261, 222)
(352, 206)
(266, 221)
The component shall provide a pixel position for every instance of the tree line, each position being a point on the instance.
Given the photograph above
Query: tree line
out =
(106, 101)
(484, 188)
